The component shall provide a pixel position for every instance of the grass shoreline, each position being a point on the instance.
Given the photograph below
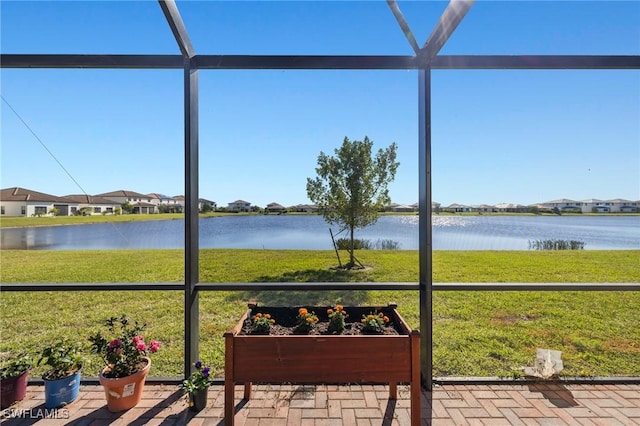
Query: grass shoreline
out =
(475, 333)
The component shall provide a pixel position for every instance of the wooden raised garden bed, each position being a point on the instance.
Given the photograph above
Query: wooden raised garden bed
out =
(322, 358)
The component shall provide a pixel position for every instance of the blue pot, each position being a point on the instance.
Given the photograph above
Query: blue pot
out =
(58, 393)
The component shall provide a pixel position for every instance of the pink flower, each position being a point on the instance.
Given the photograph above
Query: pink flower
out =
(115, 343)
(155, 345)
(138, 339)
(141, 346)
(119, 351)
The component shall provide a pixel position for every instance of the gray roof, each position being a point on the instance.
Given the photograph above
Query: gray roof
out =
(275, 206)
(122, 193)
(509, 206)
(560, 201)
(619, 200)
(156, 195)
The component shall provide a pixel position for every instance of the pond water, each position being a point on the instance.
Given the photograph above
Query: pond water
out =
(311, 232)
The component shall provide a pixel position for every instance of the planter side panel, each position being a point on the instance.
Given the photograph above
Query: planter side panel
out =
(317, 359)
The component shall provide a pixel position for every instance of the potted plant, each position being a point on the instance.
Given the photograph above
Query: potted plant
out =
(358, 344)
(14, 372)
(127, 363)
(196, 386)
(62, 380)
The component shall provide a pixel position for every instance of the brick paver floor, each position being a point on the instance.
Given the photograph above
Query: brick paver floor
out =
(326, 405)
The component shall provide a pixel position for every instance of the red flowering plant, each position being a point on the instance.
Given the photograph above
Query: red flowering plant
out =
(124, 351)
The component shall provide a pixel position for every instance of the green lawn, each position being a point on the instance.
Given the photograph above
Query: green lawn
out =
(475, 333)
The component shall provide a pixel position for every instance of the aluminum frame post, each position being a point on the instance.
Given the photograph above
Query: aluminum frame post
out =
(425, 237)
(191, 250)
(191, 173)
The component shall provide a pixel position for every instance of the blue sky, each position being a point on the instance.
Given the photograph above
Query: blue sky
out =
(498, 136)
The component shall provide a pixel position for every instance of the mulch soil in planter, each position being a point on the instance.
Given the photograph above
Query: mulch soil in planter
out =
(286, 320)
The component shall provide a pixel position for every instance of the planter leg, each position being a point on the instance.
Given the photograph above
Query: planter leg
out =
(415, 404)
(229, 384)
(393, 390)
(229, 403)
(416, 385)
(247, 390)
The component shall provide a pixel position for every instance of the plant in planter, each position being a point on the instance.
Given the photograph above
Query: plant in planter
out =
(125, 354)
(14, 372)
(261, 324)
(373, 322)
(337, 317)
(292, 356)
(306, 320)
(196, 386)
(62, 381)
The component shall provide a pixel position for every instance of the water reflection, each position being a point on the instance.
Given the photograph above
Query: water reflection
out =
(310, 232)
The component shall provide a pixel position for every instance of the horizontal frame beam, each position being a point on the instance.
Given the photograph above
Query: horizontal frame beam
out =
(534, 62)
(536, 287)
(92, 61)
(305, 62)
(321, 286)
(92, 287)
(309, 62)
(450, 380)
(441, 380)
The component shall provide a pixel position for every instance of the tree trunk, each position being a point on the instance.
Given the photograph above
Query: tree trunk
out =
(335, 247)
(352, 258)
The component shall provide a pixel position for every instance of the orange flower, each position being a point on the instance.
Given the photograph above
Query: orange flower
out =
(267, 316)
(273, 321)
(258, 315)
(370, 317)
(309, 320)
(386, 319)
(329, 311)
(363, 320)
(339, 307)
(380, 314)
(303, 311)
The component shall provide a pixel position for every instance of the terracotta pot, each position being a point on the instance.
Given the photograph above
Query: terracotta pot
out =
(198, 400)
(125, 392)
(13, 389)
